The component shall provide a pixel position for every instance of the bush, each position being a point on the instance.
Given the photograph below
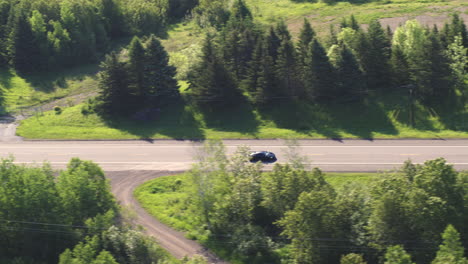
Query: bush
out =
(58, 110)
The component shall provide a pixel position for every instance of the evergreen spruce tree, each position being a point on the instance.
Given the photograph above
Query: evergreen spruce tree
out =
(254, 69)
(113, 84)
(282, 31)
(354, 24)
(378, 61)
(260, 80)
(210, 82)
(306, 36)
(136, 67)
(159, 77)
(319, 78)
(458, 57)
(456, 27)
(441, 85)
(240, 10)
(238, 39)
(350, 77)
(21, 49)
(286, 70)
(399, 67)
(273, 43)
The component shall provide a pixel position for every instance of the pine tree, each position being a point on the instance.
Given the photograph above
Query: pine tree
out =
(114, 92)
(350, 77)
(159, 77)
(457, 27)
(273, 43)
(136, 54)
(441, 85)
(260, 80)
(282, 31)
(354, 24)
(306, 36)
(21, 48)
(400, 68)
(210, 82)
(319, 78)
(286, 70)
(378, 65)
(451, 250)
(457, 55)
(240, 10)
(238, 41)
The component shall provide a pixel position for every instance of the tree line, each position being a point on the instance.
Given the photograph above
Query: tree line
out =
(140, 85)
(69, 218)
(243, 59)
(293, 215)
(42, 35)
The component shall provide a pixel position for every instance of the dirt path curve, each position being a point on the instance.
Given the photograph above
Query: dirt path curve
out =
(8, 126)
(123, 184)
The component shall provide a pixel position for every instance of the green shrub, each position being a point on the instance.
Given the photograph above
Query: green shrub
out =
(58, 110)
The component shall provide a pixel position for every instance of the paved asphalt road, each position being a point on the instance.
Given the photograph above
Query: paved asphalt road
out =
(173, 155)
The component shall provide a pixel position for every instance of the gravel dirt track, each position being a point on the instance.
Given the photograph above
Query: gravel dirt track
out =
(123, 184)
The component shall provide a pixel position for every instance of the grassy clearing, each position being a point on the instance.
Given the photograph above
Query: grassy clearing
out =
(166, 199)
(21, 92)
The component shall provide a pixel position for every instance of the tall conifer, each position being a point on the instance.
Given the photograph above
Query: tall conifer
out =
(114, 92)
(21, 48)
(159, 77)
(136, 54)
(320, 77)
(378, 67)
(286, 70)
(351, 79)
(306, 36)
(273, 43)
(210, 82)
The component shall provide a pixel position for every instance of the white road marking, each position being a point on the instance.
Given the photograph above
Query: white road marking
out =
(250, 146)
(186, 162)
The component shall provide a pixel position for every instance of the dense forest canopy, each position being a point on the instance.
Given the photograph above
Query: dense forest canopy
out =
(42, 35)
(69, 218)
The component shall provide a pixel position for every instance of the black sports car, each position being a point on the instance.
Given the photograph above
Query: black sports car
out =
(262, 156)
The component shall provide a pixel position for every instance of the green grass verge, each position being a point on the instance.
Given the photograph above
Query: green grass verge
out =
(368, 120)
(166, 199)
